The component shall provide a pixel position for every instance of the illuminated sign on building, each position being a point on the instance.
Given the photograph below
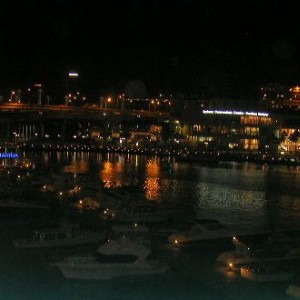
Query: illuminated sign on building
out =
(235, 113)
(73, 74)
(9, 155)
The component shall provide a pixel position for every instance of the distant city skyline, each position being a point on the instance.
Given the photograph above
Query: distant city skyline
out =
(210, 48)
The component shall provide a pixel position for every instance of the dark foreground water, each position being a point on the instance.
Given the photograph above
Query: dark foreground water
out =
(244, 195)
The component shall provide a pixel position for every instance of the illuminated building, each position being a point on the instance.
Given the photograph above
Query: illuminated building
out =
(279, 97)
(229, 130)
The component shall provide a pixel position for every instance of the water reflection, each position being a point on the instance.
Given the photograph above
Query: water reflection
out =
(78, 166)
(110, 172)
(152, 188)
(234, 193)
(153, 168)
(284, 211)
(216, 196)
(152, 180)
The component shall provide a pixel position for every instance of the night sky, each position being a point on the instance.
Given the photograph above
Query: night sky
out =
(207, 47)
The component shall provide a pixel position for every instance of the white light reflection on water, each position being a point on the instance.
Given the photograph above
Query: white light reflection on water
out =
(214, 196)
(236, 207)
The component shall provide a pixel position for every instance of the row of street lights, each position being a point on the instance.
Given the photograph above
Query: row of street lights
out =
(75, 98)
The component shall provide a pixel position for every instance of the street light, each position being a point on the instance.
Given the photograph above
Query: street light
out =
(108, 100)
(12, 94)
(152, 102)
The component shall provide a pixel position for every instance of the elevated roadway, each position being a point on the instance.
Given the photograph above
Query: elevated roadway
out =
(75, 112)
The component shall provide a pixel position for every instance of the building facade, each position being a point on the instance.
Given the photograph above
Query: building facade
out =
(230, 130)
(280, 97)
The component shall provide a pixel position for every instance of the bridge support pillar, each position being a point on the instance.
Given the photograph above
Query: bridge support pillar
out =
(26, 132)
(39, 96)
(42, 126)
(63, 130)
(7, 133)
(23, 131)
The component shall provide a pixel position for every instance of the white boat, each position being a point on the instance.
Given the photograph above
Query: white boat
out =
(146, 212)
(270, 271)
(118, 257)
(135, 232)
(66, 235)
(237, 257)
(91, 268)
(294, 288)
(9, 203)
(199, 230)
(270, 249)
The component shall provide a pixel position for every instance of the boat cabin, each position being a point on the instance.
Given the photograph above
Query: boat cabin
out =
(65, 232)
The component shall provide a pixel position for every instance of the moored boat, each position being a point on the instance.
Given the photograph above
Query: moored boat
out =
(146, 212)
(90, 268)
(294, 287)
(198, 157)
(9, 203)
(235, 258)
(270, 271)
(282, 246)
(118, 257)
(200, 230)
(65, 235)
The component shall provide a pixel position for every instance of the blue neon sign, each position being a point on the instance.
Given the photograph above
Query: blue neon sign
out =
(9, 155)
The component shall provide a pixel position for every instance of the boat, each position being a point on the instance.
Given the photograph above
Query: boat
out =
(91, 268)
(166, 229)
(120, 256)
(270, 270)
(145, 212)
(87, 203)
(294, 287)
(271, 248)
(65, 235)
(9, 203)
(235, 258)
(200, 230)
(131, 239)
(198, 157)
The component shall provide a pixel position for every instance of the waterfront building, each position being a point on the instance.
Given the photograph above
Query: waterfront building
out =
(190, 123)
(229, 130)
(280, 97)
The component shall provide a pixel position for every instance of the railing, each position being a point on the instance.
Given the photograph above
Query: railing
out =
(13, 107)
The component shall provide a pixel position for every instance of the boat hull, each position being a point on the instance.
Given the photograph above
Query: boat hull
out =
(186, 240)
(79, 240)
(232, 260)
(293, 290)
(280, 276)
(107, 271)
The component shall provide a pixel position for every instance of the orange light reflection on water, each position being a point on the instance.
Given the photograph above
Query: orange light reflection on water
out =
(152, 188)
(78, 166)
(109, 174)
(152, 181)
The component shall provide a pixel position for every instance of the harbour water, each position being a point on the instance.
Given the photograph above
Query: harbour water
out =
(239, 195)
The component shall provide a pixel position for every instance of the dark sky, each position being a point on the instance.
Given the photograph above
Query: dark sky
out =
(206, 47)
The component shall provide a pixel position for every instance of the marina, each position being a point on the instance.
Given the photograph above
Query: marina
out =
(150, 150)
(234, 197)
